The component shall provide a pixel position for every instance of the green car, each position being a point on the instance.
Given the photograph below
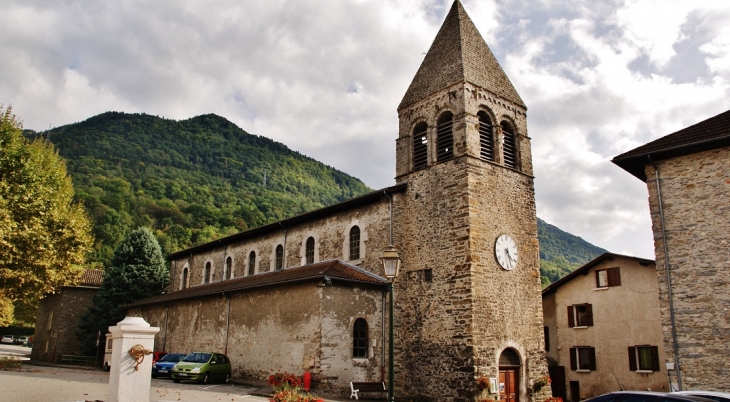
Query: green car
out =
(203, 367)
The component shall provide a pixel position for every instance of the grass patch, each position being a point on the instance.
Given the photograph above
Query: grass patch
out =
(9, 363)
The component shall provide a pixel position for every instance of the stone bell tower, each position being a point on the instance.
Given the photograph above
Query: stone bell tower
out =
(468, 301)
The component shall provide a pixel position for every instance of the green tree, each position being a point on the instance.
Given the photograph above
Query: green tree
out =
(44, 234)
(137, 271)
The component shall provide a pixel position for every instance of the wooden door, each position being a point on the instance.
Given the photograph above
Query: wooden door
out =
(509, 389)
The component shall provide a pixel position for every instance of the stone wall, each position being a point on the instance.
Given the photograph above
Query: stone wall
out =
(695, 190)
(331, 236)
(294, 328)
(58, 316)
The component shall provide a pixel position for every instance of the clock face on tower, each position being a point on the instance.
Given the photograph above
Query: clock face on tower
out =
(505, 250)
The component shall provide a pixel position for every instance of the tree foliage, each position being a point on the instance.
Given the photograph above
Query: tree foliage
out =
(137, 271)
(191, 181)
(44, 234)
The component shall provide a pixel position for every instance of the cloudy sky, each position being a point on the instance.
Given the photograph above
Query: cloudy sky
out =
(325, 77)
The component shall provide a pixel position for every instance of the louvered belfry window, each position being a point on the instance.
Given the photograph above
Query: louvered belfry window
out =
(420, 146)
(445, 137)
(509, 146)
(486, 139)
(354, 243)
(279, 258)
(309, 251)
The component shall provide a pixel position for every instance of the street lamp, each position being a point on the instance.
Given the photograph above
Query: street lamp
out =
(391, 265)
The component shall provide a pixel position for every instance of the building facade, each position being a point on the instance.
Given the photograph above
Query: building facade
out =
(59, 314)
(687, 174)
(603, 330)
(462, 216)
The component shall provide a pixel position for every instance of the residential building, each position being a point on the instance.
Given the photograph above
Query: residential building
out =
(603, 330)
(687, 174)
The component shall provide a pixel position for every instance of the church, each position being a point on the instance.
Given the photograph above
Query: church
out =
(309, 294)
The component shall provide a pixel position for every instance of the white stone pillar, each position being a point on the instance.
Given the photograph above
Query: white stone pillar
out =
(125, 383)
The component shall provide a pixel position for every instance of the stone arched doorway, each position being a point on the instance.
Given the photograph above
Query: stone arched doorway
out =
(509, 376)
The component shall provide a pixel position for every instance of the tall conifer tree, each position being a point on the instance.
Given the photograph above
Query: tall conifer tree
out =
(137, 271)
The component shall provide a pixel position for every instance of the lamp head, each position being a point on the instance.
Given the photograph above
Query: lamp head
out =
(391, 263)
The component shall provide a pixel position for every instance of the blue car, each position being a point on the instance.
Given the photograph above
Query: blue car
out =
(163, 367)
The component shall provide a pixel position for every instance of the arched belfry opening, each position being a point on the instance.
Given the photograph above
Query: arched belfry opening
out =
(420, 146)
(445, 137)
(509, 375)
(509, 145)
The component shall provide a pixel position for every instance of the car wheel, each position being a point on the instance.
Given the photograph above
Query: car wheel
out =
(175, 380)
(228, 378)
(206, 378)
(154, 376)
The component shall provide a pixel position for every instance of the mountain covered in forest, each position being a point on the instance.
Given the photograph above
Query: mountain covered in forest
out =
(196, 180)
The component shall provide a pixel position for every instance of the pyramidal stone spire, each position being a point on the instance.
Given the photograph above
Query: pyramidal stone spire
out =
(459, 54)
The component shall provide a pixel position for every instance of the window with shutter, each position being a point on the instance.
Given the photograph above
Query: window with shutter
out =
(583, 358)
(644, 358)
(608, 277)
(251, 263)
(360, 339)
(580, 315)
(279, 265)
(309, 251)
(354, 243)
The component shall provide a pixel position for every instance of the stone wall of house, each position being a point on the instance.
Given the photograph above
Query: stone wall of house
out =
(695, 190)
(294, 328)
(331, 235)
(58, 316)
(454, 326)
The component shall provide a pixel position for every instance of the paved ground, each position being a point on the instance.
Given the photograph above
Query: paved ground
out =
(35, 383)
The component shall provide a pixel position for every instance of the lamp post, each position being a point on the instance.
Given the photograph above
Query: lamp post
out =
(391, 265)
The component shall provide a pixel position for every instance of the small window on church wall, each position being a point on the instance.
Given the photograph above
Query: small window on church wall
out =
(354, 243)
(486, 139)
(184, 283)
(360, 339)
(420, 146)
(445, 137)
(309, 251)
(251, 263)
(279, 265)
(509, 146)
(206, 273)
(227, 269)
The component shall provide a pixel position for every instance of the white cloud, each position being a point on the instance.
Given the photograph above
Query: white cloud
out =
(325, 78)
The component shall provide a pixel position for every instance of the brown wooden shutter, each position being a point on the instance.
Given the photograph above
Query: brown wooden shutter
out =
(654, 358)
(573, 359)
(592, 358)
(571, 319)
(632, 358)
(589, 315)
(598, 282)
(614, 276)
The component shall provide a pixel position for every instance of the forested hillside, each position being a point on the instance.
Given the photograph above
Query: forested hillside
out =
(561, 252)
(191, 181)
(196, 180)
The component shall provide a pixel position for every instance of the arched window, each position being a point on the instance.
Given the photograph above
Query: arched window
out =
(509, 146)
(486, 139)
(206, 273)
(184, 283)
(251, 263)
(360, 339)
(309, 251)
(279, 265)
(354, 243)
(420, 146)
(445, 137)
(227, 268)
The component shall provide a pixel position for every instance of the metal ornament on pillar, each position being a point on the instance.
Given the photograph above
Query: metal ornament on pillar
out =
(130, 374)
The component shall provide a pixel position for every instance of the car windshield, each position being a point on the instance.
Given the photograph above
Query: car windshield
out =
(197, 358)
(171, 358)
